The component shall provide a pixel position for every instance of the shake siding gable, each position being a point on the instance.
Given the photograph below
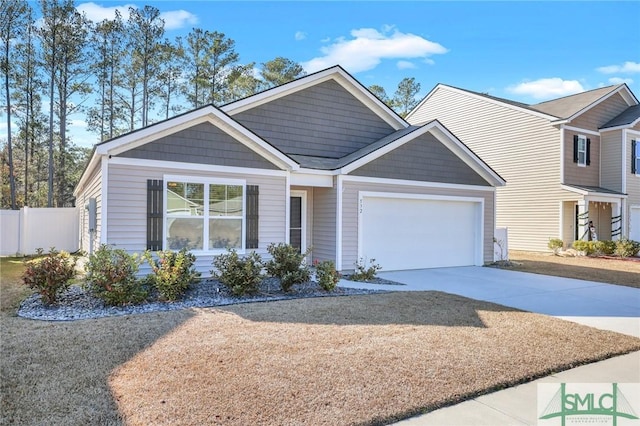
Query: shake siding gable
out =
(127, 219)
(203, 143)
(522, 148)
(601, 113)
(324, 120)
(423, 159)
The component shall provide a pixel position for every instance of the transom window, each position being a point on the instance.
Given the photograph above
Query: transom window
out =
(204, 215)
(582, 150)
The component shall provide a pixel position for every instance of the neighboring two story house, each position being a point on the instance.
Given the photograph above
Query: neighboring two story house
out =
(567, 161)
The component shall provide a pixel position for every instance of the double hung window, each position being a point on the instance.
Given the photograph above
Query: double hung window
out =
(206, 215)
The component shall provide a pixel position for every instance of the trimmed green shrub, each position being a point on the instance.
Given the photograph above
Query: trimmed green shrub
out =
(111, 276)
(327, 275)
(287, 265)
(585, 247)
(172, 272)
(606, 248)
(627, 248)
(364, 273)
(240, 275)
(50, 275)
(555, 245)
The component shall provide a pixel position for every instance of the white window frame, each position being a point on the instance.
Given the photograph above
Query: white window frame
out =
(582, 140)
(206, 216)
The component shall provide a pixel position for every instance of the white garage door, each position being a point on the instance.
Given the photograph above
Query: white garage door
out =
(634, 223)
(414, 233)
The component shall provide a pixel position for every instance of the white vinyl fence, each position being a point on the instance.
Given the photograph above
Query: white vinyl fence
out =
(23, 231)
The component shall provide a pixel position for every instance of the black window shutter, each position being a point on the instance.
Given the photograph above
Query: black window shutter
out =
(588, 151)
(155, 190)
(252, 216)
(575, 148)
(634, 150)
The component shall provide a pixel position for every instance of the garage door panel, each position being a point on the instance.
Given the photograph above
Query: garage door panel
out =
(419, 233)
(634, 223)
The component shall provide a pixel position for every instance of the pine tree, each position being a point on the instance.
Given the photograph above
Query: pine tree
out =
(404, 99)
(280, 71)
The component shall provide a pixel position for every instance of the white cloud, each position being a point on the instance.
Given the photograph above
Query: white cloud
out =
(368, 47)
(98, 13)
(173, 19)
(78, 123)
(546, 88)
(300, 35)
(626, 68)
(618, 80)
(405, 65)
(176, 19)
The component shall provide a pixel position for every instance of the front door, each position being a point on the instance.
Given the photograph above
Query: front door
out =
(297, 231)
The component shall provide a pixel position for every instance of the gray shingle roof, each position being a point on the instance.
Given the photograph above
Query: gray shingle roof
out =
(323, 163)
(627, 117)
(597, 189)
(569, 105)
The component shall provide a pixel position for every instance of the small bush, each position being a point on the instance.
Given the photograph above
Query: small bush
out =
(585, 247)
(327, 275)
(606, 248)
(173, 272)
(364, 273)
(286, 264)
(555, 245)
(50, 275)
(240, 275)
(111, 276)
(626, 247)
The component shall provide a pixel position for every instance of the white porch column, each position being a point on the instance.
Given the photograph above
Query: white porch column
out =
(583, 218)
(616, 224)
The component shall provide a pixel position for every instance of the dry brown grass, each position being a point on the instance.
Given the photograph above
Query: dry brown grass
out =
(343, 360)
(356, 360)
(607, 270)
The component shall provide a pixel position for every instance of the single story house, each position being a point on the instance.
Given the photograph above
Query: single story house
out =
(319, 163)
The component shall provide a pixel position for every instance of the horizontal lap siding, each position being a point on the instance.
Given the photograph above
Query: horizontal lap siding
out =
(92, 189)
(324, 224)
(611, 160)
(127, 215)
(350, 214)
(581, 175)
(524, 149)
(633, 181)
(600, 114)
(324, 120)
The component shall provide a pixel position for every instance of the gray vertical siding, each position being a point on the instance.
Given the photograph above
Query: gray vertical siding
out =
(611, 160)
(204, 144)
(633, 181)
(422, 159)
(324, 120)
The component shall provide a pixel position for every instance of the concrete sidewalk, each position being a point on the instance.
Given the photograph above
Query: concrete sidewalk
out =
(603, 306)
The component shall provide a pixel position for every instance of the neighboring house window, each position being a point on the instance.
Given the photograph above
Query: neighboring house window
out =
(581, 150)
(204, 215)
(635, 157)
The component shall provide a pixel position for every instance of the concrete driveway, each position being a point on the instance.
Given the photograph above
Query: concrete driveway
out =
(606, 306)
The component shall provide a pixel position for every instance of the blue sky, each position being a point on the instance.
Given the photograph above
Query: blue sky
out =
(525, 51)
